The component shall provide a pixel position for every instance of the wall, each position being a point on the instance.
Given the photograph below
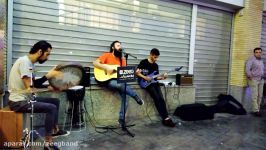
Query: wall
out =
(246, 36)
(264, 7)
(103, 105)
(233, 2)
(3, 22)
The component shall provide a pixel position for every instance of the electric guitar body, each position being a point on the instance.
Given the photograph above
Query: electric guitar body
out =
(144, 83)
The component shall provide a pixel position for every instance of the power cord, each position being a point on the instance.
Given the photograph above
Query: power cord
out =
(165, 95)
(146, 109)
(177, 95)
(93, 121)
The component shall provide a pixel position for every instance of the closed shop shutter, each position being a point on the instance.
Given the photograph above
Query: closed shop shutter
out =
(263, 40)
(80, 30)
(212, 54)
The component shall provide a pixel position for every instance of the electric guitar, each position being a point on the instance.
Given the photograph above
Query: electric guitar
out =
(101, 75)
(144, 83)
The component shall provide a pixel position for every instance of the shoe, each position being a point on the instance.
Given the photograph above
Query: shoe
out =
(138, 100)
(50, 146)
(168, 123)
(61, 133)
(257, 114)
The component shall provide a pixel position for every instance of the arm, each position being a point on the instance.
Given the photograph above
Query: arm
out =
(138, 71)
(51, 74)
(97, 63)
(26, 81)
(248, 69)
(139, 74)
(162, 77)
(38, 82)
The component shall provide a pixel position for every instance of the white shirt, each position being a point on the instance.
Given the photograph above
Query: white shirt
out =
(20, 69)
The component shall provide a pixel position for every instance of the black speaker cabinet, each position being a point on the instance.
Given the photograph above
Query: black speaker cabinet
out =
(184, 79)
(86, 77)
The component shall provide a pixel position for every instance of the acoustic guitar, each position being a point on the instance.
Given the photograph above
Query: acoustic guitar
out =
(101, 75)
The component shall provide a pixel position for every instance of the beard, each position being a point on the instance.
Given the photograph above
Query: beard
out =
(42, 61)
(117, 53)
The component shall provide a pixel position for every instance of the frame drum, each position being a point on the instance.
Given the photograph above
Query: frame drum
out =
(72, 75)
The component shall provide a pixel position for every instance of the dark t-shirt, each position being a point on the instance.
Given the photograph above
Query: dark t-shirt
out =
(147, 67)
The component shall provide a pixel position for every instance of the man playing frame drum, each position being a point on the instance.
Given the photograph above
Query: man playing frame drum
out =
(22, 79)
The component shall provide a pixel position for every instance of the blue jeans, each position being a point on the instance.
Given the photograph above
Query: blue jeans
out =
(49, 106)
(120, 87)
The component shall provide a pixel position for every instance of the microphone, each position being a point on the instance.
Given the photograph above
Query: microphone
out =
(122, 50)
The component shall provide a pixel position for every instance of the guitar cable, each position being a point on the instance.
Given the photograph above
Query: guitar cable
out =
(93, 121)
(177, 96)
(146, 109)
(90, 119)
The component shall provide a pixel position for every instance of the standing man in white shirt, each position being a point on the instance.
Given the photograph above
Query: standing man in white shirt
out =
(255, 73)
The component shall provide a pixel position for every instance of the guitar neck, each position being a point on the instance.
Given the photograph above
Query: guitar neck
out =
(155, 76)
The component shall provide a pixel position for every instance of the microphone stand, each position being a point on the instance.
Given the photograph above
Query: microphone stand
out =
(124, 127)
(28, 138)
(128, 54)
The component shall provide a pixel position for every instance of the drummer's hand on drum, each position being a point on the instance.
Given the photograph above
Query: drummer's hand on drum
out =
(53, 73)
(109, 70)
(50, 88)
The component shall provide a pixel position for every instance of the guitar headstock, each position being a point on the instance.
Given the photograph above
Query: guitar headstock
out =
(178, 68)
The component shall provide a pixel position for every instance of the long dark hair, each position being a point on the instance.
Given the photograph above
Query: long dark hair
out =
(113, 45)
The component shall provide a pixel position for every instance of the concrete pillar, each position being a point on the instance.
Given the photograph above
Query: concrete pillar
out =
(246, 36)
(3, 33)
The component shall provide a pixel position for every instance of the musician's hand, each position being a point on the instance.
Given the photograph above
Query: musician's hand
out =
(165, 75)
(58, 67)
(31, 90)
(53, 73)
(147, 78)
(160, 78)
(109, 70)
(50, 88)
(138, 71)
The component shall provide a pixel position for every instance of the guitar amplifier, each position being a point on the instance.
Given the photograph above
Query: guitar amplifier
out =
(184, 79)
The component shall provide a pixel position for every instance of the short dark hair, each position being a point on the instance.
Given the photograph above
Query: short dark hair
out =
(155, 52)
(113, 45)
(43, 45)
(257, 48)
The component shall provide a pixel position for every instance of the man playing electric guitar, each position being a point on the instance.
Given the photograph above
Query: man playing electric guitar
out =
(105, 68)
(147, 67)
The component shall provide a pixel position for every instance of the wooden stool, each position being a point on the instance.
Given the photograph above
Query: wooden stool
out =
(11, 126)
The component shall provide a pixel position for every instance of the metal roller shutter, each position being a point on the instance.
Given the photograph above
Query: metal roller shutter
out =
(81, 30)
(263, 39)
(212, 54)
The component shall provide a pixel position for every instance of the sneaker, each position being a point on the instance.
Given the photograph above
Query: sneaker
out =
(61, 133)
(50, 146)
(138, 100)
(168, 123)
